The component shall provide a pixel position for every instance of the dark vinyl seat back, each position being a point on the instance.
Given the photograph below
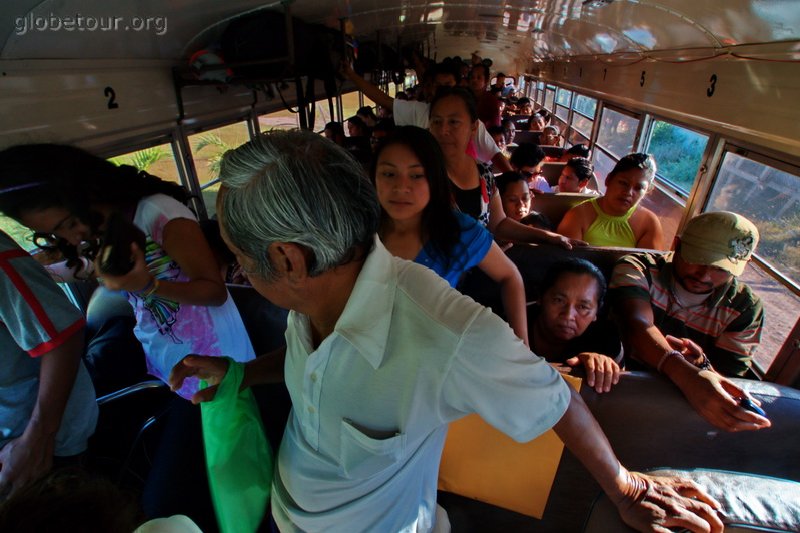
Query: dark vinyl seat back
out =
(522, 136)
(552, 151)
(552, 171)
(555, 206)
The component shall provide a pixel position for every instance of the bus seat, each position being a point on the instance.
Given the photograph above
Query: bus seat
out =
(555, 206)
(552, 171)
(552, 151)
(522, 136)
(533, 260)
(650, 425)
(743, 496)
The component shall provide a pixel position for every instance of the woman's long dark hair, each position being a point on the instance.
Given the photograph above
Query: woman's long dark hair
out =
(439, 221)
(39, 176)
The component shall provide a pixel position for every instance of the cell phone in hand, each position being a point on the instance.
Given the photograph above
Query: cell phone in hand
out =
(747, 403)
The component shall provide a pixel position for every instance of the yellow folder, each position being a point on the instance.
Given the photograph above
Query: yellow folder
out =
(482, 463)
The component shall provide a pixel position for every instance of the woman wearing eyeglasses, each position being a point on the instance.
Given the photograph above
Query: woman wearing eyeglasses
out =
(67, 196)
(616, 218)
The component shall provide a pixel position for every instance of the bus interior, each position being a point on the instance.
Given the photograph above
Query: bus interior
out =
(711, 89)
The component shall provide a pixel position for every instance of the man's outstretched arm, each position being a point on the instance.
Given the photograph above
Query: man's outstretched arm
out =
(645, 503)
(370, 91)
(712, 395)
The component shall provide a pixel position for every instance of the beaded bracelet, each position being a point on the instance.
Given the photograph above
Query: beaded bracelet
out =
(665, 357)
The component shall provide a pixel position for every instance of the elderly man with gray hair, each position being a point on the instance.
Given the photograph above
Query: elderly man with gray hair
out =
(381, 354)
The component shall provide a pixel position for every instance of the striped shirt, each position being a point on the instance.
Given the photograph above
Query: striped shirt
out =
(727, 325)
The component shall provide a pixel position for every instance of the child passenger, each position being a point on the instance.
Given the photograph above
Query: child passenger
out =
(419, 221)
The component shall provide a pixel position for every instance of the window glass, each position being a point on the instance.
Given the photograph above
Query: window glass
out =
(549, 97)
(156, 160)
(583, 124)
(576, 138)
(770, 198)
(617, 132)
(603, 164)
(781, 309)
(22, 235)
(563, 97)
(562, 112)
(208, 148)
(678, 152)
(585, 105)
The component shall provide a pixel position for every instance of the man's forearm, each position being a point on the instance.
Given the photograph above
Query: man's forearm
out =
(267, 368)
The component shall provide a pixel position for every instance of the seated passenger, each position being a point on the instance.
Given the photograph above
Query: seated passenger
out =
(575, 177)
(499, 136)
(525, 107)
(528, 159)
(550, 136)
(576, 150)
(688, 316)
(367, 116)
(564, 323)
(516, 197)
(617, 219)
(356, 127)
(509, 130)
(418, 221)
(335, 132)
(382, 129)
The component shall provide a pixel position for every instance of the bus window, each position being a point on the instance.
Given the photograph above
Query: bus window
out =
(617, 132)
(583, 112)
(540, 93)
(21, 235)
(563, 98)
(770, 198)
(678, 152)
(156, 160)
(603, 164)
(549, 97)
(207, 150)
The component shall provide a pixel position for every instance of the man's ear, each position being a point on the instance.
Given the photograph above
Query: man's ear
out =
(289, 260)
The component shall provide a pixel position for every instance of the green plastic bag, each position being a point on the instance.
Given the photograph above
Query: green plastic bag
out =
(238, 455)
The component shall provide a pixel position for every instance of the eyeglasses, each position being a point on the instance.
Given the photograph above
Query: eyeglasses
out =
(45, 241)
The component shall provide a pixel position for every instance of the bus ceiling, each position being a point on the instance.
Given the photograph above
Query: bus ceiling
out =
(515, 34)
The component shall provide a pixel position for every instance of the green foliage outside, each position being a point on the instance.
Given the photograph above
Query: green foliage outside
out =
(678, 153)
(142, 159)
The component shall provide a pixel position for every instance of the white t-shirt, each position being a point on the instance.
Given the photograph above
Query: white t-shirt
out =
(169, 330)
(371, 404)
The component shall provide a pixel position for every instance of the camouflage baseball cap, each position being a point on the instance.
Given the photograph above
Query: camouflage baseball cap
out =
(721, 238)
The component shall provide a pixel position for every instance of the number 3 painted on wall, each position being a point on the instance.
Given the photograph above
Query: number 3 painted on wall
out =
(712, 86)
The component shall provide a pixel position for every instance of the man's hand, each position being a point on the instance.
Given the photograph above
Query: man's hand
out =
(210, 369)
(601, 371)
(650, 503)
(565, 242)
(690, 350)
(25, 459)
(715, 399)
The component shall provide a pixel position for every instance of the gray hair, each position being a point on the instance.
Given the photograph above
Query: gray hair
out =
(298, 187)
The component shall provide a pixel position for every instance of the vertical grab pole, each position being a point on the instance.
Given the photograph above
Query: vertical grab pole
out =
(339, 108)
(298, 83)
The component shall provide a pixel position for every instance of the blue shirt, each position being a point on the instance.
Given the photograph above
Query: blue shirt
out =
(473, 245)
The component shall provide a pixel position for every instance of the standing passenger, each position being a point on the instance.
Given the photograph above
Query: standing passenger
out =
(418, 222)
(382, 354)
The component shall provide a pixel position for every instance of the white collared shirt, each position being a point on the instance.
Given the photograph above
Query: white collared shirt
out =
(371, 404)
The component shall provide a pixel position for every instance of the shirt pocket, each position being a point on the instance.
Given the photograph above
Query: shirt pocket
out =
(362, 456)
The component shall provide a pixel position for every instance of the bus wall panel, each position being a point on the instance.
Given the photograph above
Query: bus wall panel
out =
(751, 100)
(91, 102)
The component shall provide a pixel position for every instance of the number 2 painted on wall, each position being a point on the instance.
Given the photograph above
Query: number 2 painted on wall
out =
(112, 97)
